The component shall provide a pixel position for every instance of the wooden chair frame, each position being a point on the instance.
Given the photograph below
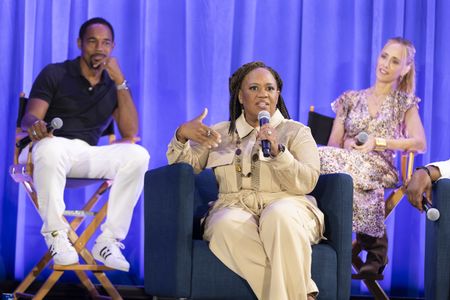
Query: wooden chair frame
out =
(22, 173)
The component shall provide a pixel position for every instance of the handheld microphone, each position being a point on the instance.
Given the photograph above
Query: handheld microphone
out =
(264, 118)
(432, 213)
(56, 123)
(361, 138)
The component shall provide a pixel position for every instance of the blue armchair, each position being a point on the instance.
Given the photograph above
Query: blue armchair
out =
(437, 245)
(179, 264)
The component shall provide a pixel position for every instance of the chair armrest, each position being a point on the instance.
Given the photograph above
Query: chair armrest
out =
(334, 195)
(168, 214)
(437, 245)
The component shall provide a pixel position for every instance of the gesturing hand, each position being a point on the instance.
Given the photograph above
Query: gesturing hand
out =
(198, 132)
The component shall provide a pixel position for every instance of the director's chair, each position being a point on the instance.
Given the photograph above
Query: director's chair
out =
(321, 126)
(23, 173)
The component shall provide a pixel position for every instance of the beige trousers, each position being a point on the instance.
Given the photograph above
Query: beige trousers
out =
(272, 252)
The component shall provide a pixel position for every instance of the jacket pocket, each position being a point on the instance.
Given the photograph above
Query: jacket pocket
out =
(223, 165)
(217, 159)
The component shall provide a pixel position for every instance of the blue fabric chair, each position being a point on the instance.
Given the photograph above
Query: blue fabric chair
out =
(437, 245)
(179, 264)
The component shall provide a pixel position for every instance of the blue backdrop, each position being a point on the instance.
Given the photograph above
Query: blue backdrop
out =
(177, 57)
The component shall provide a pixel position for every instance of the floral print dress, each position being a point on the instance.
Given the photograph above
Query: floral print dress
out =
(374, 171)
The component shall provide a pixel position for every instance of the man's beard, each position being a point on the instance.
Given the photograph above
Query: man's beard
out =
(93, 61)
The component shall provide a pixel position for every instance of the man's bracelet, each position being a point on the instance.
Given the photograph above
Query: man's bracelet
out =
(426, 170)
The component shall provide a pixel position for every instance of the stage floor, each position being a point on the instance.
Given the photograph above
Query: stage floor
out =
(67, 291)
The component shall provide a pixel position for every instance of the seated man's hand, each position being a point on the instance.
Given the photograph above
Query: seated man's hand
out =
(38, 131)
(127, 140)
(419, 185)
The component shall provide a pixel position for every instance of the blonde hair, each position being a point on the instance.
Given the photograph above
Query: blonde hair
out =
(407, 83)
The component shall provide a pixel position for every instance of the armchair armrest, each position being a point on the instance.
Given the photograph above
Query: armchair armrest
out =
(437, 245)
(334, 195)
(168, 210)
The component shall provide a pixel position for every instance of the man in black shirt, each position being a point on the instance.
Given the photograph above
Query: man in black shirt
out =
(86, 93)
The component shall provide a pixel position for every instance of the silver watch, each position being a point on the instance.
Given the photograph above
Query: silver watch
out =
(122, 86)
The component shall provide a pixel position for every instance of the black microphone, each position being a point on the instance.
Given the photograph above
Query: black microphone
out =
(361, 138)
(264, 118)
(56, 123)
(432, 213)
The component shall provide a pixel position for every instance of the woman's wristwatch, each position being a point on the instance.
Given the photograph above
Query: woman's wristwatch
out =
(427, 171)
(281, 148)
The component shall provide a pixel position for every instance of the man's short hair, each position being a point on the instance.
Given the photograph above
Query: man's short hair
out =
(92, 21)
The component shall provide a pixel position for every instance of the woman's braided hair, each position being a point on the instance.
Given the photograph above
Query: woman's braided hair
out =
(235, 83)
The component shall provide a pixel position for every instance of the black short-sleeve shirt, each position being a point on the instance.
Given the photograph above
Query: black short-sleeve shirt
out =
(85, 110)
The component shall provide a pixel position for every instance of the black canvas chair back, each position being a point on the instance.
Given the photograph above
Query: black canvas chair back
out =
(320, 126)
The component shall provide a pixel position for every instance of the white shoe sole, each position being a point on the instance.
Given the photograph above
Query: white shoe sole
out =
(74, 262)
(103, 261)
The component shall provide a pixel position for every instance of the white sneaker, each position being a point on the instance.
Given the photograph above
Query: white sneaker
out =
(107, 251)
(61, 249)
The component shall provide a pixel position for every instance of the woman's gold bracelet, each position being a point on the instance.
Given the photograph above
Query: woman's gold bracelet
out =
(380, 144)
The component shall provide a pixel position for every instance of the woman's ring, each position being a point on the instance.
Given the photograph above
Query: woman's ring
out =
(208, 133)
(269, 132)
(34, 132)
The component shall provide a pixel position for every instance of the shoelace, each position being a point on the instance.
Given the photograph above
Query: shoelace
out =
(60, 244)
(112, 249)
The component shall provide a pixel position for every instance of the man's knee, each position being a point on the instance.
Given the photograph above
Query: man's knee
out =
(136, 156)
(140, 154)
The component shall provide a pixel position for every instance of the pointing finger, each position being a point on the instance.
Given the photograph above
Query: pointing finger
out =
(203, 115)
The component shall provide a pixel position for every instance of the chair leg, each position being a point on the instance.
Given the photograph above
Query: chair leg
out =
(48, 284)
(34, 273)
(107, 285)
(372, 285)
(87, 283)
(375, 289)
(80, 241)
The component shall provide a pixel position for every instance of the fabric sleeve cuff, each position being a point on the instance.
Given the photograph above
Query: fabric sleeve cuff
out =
(444, 168)
(283, 160)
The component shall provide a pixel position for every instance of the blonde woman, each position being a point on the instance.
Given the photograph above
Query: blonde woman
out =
(388, 113)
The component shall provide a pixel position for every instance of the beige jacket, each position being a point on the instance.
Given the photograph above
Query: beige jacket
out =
(292, 174)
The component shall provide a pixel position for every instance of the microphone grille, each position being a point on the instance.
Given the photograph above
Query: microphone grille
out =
(362, 137)
(264, 114)
(433, 214)
(56, 123)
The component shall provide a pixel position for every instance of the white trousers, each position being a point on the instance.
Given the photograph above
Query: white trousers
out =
(273, 253)
(55, 158)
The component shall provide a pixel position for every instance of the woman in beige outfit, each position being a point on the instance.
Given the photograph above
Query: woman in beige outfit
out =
(262, 225)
